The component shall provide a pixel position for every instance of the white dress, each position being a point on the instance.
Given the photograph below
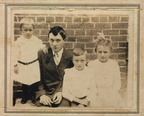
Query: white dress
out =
(77, 83)
(26, 50)
(107, 83)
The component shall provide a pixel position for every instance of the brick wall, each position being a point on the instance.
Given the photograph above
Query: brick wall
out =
(83, 29)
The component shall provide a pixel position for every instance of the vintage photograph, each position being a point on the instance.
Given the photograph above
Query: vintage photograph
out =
(72, 58)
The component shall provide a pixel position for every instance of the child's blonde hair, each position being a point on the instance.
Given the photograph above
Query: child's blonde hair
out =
(101, 40)
(26, 20)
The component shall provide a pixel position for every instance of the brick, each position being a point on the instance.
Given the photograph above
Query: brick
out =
(120, 25)
(17, 32)
(36, 32)
(63, 25)
(40, 19)
(69, 32)
(92, 32)
(124, 19)
(88, 25)
(41, 26)
(68, 45)
(77, 19)
(90, 45)
(119, 50)
(85, 19)
(90, 50)
(93, 56)
(16, 25)
(124, 76)
(33, 18)
(123, 44)
(119, 38)
(75, 25)
(123, 32)
(44, 32)
(103, 19)
(111, 32)
(113, 56)
(68, 19)
(49, 19)
(43, 38)
(123, 69)
(113, 19)
(102, 26)
(84, 39)
(123, 63)
(115, 44)
(79, 45)
(122, 56)
(59, 19)
(95, 19)
(71, 38)
(80, 32)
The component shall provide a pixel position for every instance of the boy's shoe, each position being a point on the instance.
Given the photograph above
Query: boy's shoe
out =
(24, 100)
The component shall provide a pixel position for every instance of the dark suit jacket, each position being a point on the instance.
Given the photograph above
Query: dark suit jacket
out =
(52, 74)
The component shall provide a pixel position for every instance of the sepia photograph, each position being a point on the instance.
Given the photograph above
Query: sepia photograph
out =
(72, 58)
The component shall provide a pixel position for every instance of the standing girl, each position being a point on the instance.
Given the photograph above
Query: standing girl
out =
(26, 66)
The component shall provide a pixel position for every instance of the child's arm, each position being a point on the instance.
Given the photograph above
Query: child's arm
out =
(15, 56)
(67, 87)
(117, 78)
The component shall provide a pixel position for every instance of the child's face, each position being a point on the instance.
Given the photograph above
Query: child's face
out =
(103, 53)
(56, 42)
(27, 30)
(79, 62)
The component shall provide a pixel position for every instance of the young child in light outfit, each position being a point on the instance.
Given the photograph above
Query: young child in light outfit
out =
(26, 66)
(76, 84)
(107, 77)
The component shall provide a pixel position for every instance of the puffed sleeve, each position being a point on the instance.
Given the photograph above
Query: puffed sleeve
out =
(67, 87)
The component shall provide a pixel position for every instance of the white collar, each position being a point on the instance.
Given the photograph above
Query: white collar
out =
(59, 53)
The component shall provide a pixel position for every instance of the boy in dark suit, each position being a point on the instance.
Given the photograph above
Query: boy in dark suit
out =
(52, 67)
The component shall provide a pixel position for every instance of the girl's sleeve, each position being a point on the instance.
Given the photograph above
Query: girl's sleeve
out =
(67, 87)
(117, 78)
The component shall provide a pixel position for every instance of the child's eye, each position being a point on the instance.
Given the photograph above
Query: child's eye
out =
(58, 40)
(51, 40)
(105, 52)
(99, 52)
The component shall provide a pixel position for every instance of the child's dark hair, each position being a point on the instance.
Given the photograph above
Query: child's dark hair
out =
(26, 20)
(57, 29)
(103, 42)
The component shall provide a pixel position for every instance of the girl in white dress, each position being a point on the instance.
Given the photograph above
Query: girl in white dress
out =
(107, 77)
(26, 65)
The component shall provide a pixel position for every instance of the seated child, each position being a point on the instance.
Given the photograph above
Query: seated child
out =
(25, 53)
(107, 77)
(76, 84)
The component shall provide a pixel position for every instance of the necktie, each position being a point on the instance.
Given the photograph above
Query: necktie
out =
(56, 56)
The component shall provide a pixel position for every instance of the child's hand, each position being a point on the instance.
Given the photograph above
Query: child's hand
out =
(16, 69)
(44, 49)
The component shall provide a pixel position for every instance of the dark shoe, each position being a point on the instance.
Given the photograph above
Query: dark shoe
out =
(24, 100)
